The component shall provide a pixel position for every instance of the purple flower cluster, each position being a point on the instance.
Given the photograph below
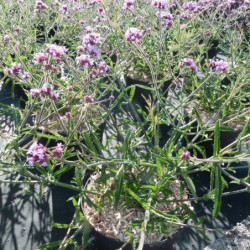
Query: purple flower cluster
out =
(84, 60)
(189, 62)
(17, 30)
(102, 68)
(88, 99)
(167, 17)
(185, 155)
(38, 154)
(91, 39)
(132, 34)
(93, 51)
(58, 151)
(128, 5)
(6, 39)
(40, 58)
(40, 6)
(55, 50)
(16, 70)
(160, 4)
(219, 65)
(49, 66)
(47, 89)
(190, 6)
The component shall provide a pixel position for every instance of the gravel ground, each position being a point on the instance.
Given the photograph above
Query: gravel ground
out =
(238, 238)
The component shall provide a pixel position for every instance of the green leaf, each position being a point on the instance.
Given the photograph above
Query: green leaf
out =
(40, 168)
(209, 196)
(118, 189)
(190, 185)
(85, 234)
(132, 93)
(126, 144)
(159, 168)
(40, 191)
(50, 244)
(245, 129)
(218, 192)
(88, 141)
(144, 87)
(217, 139)
(203, 234)
(198, 118)
(190, 213)
(63, 170)
(58, 225)
(152, 209)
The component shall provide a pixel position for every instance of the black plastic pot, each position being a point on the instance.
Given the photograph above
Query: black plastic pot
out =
(18, 90)
(102, 242)
(226, 138)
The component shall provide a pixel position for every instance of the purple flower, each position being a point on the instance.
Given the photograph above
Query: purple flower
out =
(58, 151)
(47, 89)
(160, 4)
(26, 75)
(211, 63)
(55, 50)
(14, 70)
(189, 62)
(111, 98)
(54, 96)
(102, 68)
(165, 15)
(190, 6)
(91, 39)
(128, 4)
(132, 34)
(80, 49)
(88, 30)
(40, 58)
(35, 92)
(38, 154)
(93, 51)
(64, 8)
(18, 29)
(185, 155)
(40, 6)
(88, 99)
(180, 80)
(84, 60)
(93, 73)
(219, 65)
(6, 39)
(68, 115)
(168, 23)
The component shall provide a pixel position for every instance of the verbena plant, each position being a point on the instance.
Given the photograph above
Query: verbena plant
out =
(70, 58)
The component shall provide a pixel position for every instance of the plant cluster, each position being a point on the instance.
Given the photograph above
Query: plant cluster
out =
(188, 62)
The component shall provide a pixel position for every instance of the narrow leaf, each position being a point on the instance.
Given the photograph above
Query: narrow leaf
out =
(118, 189)
(191, 185)
(216, 139)
(50, 244)
(218, 192)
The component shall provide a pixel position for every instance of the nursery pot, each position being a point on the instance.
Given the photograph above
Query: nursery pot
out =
(103, 242)
(226, 136)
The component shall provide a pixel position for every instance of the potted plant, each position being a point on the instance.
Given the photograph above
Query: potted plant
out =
(135, 186)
